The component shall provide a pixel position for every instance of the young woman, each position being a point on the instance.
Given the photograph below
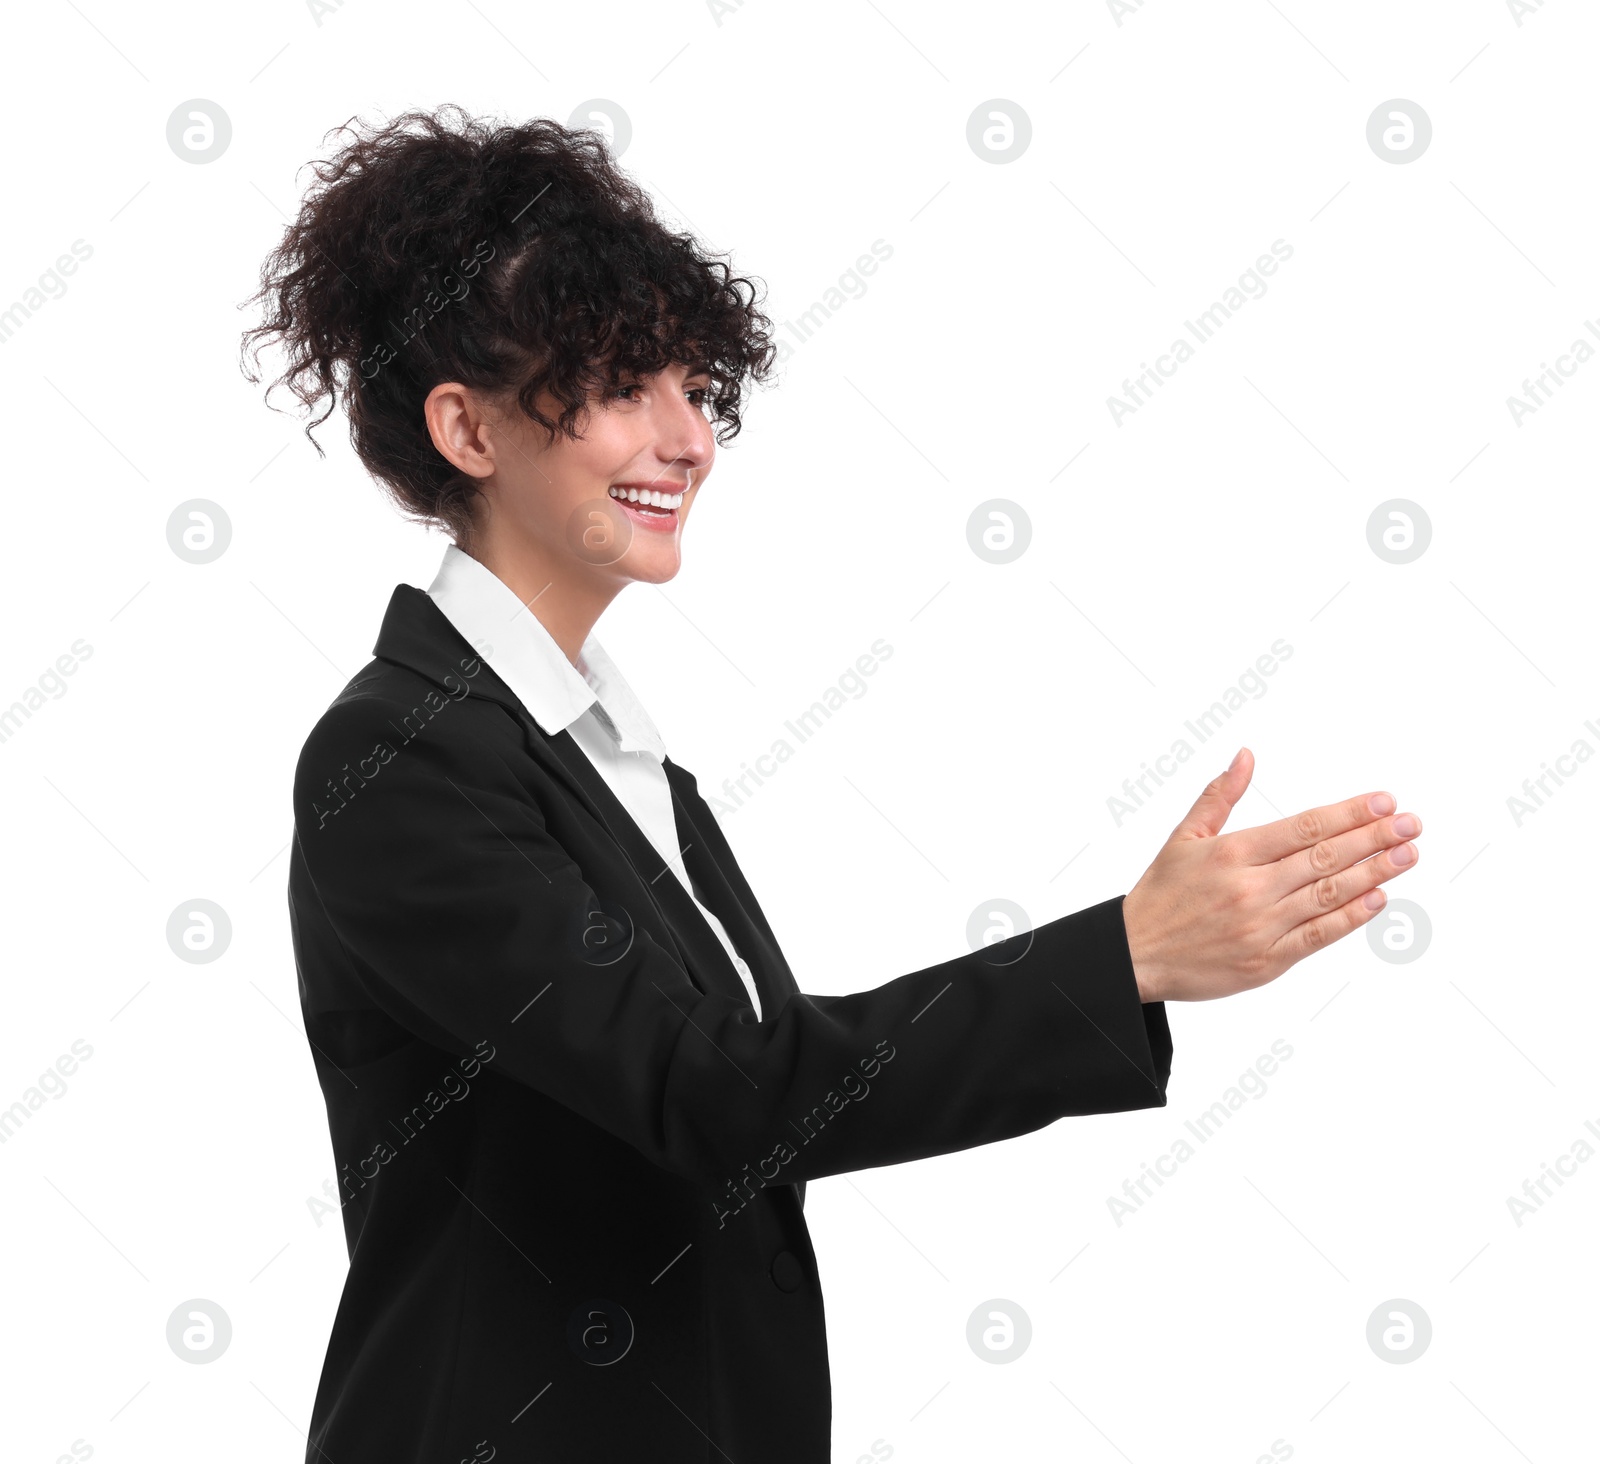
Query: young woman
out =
(574, 1090)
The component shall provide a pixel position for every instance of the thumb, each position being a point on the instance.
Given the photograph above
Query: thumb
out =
(1212, 807)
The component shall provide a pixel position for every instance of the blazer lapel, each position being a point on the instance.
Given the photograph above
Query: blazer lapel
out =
(726, 892)
(417, 633)
(703, 955)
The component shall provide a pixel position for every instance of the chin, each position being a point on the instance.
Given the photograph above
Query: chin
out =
(656, 569)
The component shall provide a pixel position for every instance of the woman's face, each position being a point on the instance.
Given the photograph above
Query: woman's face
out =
(612, 502)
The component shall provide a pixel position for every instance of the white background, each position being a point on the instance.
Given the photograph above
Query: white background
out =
(1168, 152)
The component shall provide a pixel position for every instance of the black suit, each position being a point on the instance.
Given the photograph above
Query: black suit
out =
(572, 1160)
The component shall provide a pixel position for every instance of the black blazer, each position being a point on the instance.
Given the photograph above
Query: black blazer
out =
(571, 1161)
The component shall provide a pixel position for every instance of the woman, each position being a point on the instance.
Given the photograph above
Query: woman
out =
(574, 1091)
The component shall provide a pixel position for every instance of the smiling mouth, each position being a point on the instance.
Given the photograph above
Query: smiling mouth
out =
(649, 508)
(646, 499)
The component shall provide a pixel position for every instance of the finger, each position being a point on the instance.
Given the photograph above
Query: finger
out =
(1271, 842)
(1212, 807)
(1335, 891)
(1344, 850)
(1315, 935)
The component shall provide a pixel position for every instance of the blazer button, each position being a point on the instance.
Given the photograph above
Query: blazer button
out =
(787, 1273)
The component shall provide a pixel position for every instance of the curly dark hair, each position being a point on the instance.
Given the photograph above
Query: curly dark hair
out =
(442, 247)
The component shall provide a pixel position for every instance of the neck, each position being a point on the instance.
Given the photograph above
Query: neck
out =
(565, 603)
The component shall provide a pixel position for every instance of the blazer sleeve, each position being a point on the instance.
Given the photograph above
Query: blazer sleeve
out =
(463, 919)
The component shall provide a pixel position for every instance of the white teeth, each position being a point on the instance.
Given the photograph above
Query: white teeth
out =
(648, 496)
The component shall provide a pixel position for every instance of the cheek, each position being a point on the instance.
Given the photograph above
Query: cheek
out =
(606, 456)
(571, 474)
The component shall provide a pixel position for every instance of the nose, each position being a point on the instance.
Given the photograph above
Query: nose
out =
(683, 435)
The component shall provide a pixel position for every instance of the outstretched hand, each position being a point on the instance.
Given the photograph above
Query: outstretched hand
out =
(1218, 913)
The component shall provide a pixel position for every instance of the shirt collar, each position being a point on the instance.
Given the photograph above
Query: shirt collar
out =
(513, 640)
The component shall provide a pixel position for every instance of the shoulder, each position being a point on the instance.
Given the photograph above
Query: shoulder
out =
(387, 708)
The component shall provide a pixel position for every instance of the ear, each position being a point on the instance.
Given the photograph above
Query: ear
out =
(461, 429)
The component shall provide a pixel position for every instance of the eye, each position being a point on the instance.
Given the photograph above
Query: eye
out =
(697, 394)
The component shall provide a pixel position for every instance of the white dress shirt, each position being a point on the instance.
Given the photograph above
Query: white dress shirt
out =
(591, 701)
